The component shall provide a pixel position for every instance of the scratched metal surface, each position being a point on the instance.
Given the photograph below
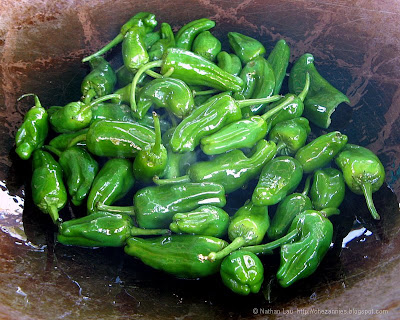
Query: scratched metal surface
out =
(356, 45)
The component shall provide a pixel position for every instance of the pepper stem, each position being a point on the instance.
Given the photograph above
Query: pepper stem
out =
(302, 95)
(53, 212)
(87, 98)
(268, 247)
(169, 73)
(307, 185)
(278, 108)
(161, 182)
(37, 101)
(280, 146)
(204, 92)
(249, 102)
(367, 191)
(53, 150)
(101, 99)
(141, 70)
(153, 74)
(157, 129)
(74, 141)
(327, 212)
(118, 39)
(234, 245)
(116, 209)
(135, 231)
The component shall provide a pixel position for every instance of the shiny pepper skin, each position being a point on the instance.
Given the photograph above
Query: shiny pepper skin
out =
(167, 40)
(229, 62)
(179, 255)
(328, 189)
(206, 45)
(62, 141)
(245, 47)
(279, 61)
(186, 35)
(242, 272)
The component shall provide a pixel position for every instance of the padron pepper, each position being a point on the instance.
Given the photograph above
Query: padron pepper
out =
(322, 99)
(290, 135)
(229, 62)
(245, 47)
(319, 152)
(206, 45)
(363, 172)
(231, 170)
(33, 131)
(155, 206)
(134, 49)
(112, 112)
(179, 255)
(167, 40)
(328, 189)
(278, 178)
(63, 141)
(102, 229)
(279, 61)
(151, 38)
(242, 272)
(186, 35)
(206, 220)
(125, 77)
(100, 81)
(113, 182)
(48, 190)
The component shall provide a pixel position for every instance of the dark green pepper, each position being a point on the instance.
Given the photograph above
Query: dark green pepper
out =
(113, 182)
(180, 255)
(206, 45)
(112, 112)
(186, 35)
(151, 38)
(279, 61)
(63, 141)
(151, 161)
(206, 221)
(33, 131)
(278, 178)
(125, 77)
(319, 152)
(48, 190)
(101, 229)
(328, 189)
(166, 41)
(100, 81)
(290, 135)
(242, 272)
(363, 172)
(229, 62)
(134, 49)
(322, 98)
(245, 47)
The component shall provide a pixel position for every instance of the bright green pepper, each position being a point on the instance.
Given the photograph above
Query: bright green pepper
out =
(113, 182)
(328, 189)
(279, 61)
(290, 135)
(186, 35)
(301, 257)
(206, 221)
(206, 45)
(229, 62)
(180, 255)
(319, 152)
(134, 49)
(278, 178)
(155, 206)
(63, 141)
(151, 161)
(100, 81)
(145, 20)
(112, 112)
(166, 41)
(242, 272)
(48, 190)
(101, 229)
(363, 172)
(322, 99)
(245, 47)
(33, 131)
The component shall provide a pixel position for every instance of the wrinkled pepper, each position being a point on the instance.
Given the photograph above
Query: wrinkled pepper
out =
(186, 35)
(328, 189)
(229, 62)
(279, 61)
(167, 40)
(206, 45)
(245, 47)
(112, 112)
(63, 141)
(134, 49)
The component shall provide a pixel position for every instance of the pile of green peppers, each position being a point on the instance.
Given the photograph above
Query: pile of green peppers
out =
(185, 126)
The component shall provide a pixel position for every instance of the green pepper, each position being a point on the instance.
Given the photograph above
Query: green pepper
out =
(145, 20)
(112, 112)
(113, 182)
(48, 190)
(328, 189)
(155, 206)
(279, 61)
(172, 94)
(186, 35)
(290, 135)
(125, 77)
(319, 152)
(79, 170)
(63, 141)
(206, 45)
(166, 41)
(322, 99)
(248, 227)
(301, 257)
(206, 221)
(242, 272)
(287, 210)
(100, 81)
(179, 255)
(232, 169)
(229, 62)
(245, 47)
(363, 172)
(134, 49)
(101, 229)
(151, 38)
(33, 131)
(151, 161)
(278, 178)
